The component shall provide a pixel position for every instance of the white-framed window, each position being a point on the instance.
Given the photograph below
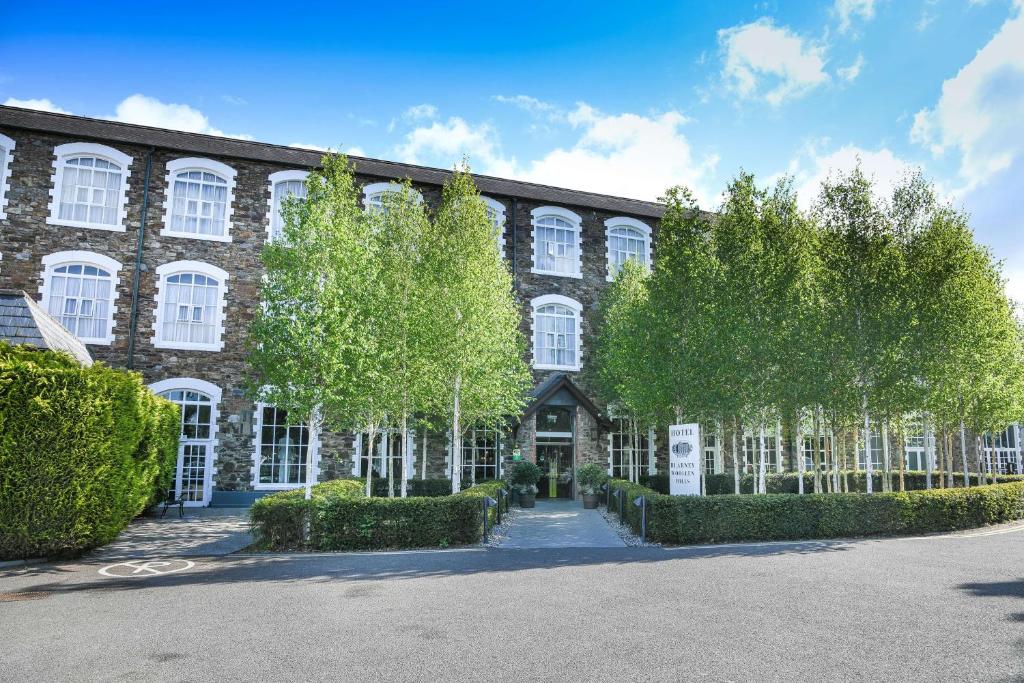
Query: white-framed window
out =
(712, 449)
(90, 187)
(285, 450)
(626, 238)
(629, 459)
(1007, 454)
(752, 453)
(79, 289)
(283, 184)
(496, 212)
(198, 201)
(557, 324)
(824, 444)
(373, 195)
(481, 454)
(919, 445)
(190, 303)
(556, 242)
(875, 446)
(6, 158)
(199, 402)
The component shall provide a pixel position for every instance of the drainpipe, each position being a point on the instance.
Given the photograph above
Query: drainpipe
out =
(133, 317)
(515, 231)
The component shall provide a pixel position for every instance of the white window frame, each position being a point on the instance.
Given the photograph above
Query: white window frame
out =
(573, 305)
(652, 462)
(312, 454)
(6, 160)
(176, 166)
(60, 258)
(499, 213)
(166, 270)
(577, 225)
(272, 181)
(62, 153)
(215, 394)
(374, 189)
(625, 222)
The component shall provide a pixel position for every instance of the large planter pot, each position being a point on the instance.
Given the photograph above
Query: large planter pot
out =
(589, 501)
(527, 500)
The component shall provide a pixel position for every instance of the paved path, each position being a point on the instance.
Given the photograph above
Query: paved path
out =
(203, 532)
(560, 524)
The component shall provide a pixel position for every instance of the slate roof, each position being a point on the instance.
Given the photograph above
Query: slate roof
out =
(551, 386)
(210, 145)
(23, 321)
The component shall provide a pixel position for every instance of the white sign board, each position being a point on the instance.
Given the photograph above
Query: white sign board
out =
(684, 460)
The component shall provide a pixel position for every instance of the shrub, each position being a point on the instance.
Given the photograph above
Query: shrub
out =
(590, 477)
(724, 518)
(82, 451)
(788, 482)
(524, 476)
(417, 487)
(340, 518)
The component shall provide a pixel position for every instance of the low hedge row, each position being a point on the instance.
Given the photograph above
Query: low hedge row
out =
(82, 451)
(788, 482)
(339, 517)
(430, 488)
(724, 518)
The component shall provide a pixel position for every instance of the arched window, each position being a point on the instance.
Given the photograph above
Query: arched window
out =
(90, 186)
(556, 242)
(373, 195)
(628, 239)
(190, 306)
(556, 333)
(6, 157)
(79, 289)
(199, 196)
(198, 401)
(283, 450)
(283, 184)
(496, 212)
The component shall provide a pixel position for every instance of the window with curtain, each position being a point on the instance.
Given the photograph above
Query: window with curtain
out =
(90, 191)
(283, 448)
(199, 203)
(625, 244)
(79, 296)
(556, 336)
(555, 245)
(190, 307)
(282, 190)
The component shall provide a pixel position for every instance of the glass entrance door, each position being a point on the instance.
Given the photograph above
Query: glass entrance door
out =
(556, 464)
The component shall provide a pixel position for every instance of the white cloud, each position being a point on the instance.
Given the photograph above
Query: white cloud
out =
(531, 105)
(420, 111)
(445, 143)
(980, 112)
(770, 62)
(37, 104)
(149, 111)
(235, 100)
(849, 73)
(846, 10)
(811, 167)
(628, 155)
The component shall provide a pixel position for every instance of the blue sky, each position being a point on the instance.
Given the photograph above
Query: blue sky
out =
(622, 98)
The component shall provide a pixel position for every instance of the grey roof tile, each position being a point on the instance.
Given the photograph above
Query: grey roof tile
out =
(23, 321)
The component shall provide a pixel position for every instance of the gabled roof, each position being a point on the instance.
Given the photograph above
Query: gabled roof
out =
(213, 145)
(23, 321)
(551, 386)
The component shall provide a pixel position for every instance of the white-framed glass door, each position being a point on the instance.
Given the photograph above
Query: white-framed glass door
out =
(193, 476)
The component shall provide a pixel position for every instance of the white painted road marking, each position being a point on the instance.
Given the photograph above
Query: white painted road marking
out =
(122, 570)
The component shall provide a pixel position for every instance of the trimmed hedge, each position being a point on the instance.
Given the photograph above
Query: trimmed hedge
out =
(339, 517)
(788, 482)
(430, 488)
(82, 451)
(724, 518)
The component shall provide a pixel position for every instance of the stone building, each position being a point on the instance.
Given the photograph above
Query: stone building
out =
(145, 243)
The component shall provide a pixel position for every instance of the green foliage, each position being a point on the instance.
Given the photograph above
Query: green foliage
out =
(82, 451)
(590, 477)
(787, 482)
(524, 475)
(726, 518)
(429, 488)
(339, 517)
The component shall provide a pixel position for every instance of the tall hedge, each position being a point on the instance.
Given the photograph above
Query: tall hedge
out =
(723, 518)
(82, 450)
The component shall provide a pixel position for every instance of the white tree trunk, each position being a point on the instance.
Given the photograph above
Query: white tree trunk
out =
(457, 438)
(405, 456)
(735, 459)
(886, 462)
(928, 455)
(423, 456)
(963, 455)
(371, 435)
(761, 461)
(801, 462)
(869, 484)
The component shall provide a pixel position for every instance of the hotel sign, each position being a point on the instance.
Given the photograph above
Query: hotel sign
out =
(684, 460)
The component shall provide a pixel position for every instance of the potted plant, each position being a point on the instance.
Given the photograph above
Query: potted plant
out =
(590, 477)
(523, 478)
